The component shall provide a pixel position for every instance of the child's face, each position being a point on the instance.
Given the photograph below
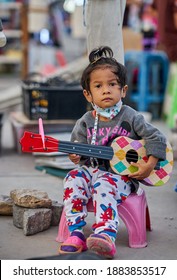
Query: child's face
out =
(105, 90)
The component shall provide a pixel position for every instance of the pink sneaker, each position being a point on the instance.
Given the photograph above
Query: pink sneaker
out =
(76, 243)
(102, 245)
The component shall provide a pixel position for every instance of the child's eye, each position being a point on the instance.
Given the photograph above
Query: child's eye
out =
(113, 84)
(98, 86)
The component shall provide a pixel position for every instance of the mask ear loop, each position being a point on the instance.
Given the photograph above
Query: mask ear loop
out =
(94, 160)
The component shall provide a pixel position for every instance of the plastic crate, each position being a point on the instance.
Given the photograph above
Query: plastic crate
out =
(53, 102)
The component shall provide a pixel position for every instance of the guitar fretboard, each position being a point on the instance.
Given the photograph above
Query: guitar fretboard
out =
(101, 152)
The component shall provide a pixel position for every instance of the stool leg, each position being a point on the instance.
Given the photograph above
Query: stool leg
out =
(133, 212)
(148, 221)
(63, 232)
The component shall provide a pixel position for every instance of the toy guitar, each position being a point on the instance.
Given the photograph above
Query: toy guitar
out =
(122, 151)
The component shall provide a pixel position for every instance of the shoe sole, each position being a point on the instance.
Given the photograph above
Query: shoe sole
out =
(101, 247)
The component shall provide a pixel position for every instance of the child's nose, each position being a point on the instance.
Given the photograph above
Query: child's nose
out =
(106, 89)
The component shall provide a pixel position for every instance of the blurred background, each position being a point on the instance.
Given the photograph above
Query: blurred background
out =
(46, 51)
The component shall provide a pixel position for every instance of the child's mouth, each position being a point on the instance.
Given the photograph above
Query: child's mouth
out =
(107, 99)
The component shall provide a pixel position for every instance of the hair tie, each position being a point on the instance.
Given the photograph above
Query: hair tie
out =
(95, 60)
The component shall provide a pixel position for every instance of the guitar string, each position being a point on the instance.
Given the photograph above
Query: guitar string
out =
(67, 149)
(88, 150)
(108, 151)
(66, 145)
(107, 156)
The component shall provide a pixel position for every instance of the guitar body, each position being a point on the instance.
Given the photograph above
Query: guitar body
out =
(127, 150)
(122, 151)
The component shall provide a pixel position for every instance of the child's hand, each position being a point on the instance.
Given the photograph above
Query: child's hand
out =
(74, 158)
(144, 169)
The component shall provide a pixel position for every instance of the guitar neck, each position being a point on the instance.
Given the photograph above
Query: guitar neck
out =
(102, 152)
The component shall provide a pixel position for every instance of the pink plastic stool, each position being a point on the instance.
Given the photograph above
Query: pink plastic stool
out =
(134, 213)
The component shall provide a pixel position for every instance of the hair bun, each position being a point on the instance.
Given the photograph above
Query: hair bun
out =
(100, 52)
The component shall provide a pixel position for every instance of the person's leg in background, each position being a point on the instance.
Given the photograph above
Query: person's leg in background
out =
(103, 20)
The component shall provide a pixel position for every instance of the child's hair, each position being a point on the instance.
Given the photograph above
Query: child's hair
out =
(102, 57)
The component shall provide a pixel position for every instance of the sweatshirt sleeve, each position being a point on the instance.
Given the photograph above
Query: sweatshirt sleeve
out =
(154, 139)
(79, 132)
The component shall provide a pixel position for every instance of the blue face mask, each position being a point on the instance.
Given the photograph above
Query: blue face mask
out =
(110, 112)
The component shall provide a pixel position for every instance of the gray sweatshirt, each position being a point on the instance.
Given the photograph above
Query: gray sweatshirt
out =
(128, 123)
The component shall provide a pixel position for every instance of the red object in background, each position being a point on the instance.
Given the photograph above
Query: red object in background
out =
(61, 58)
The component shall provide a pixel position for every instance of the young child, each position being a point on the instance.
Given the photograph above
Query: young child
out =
(104, 86)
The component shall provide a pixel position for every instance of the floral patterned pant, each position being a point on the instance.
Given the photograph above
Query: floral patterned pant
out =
(107, 191)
